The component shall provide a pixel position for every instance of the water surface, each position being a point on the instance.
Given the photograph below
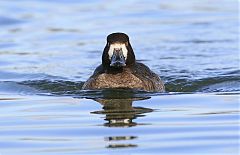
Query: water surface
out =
(49, 48)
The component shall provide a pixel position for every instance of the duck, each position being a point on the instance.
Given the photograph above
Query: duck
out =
(120, 70)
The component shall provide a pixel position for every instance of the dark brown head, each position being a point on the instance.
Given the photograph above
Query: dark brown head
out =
(118, 52)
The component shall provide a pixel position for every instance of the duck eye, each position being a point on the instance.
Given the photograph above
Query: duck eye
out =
(121, 56)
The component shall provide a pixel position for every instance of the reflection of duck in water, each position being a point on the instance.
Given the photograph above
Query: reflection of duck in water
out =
(119, 68)
(120, 138)
(117, 106)
(120, 112)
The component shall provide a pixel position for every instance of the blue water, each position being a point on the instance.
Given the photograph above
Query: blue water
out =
(49, 48)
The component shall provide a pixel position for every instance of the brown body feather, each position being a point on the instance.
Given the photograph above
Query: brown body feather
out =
(138, 76)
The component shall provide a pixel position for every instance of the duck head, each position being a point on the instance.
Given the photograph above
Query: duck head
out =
(118, 52)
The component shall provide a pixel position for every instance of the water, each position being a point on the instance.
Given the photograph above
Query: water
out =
(49, 48)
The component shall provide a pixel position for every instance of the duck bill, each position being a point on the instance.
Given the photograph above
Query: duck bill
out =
(118, 59)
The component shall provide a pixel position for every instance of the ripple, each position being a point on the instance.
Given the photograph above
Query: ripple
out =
(5, 21)
(47, 124)
(227, 83)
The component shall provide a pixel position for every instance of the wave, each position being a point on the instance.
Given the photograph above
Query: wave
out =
(212, 84)
(50, 85)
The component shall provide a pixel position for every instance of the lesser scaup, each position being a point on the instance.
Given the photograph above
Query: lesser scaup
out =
(119, 68)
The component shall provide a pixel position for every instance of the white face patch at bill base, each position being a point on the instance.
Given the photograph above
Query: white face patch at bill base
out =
(118, 46)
